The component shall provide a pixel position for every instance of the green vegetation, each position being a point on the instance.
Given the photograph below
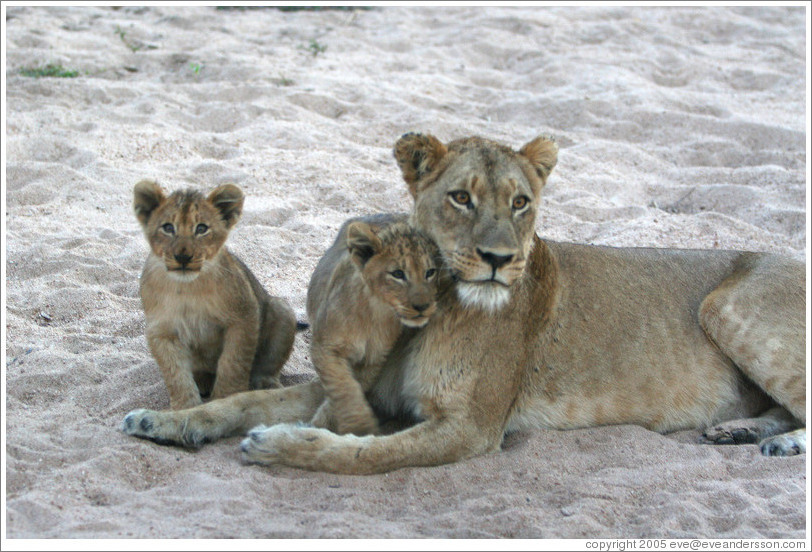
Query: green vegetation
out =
(315, 48)
(50, 70)
(283, 81)
(131, 44)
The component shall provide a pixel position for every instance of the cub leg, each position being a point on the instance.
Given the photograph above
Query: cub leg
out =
(324, 417)
(276, 335)
(234, 364)
(233, 415)
(757, 317)
(429, 443)
(177, 364)
(346, 404)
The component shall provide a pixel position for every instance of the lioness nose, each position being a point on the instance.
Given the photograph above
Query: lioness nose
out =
(496, 261)
(421, 307)
(183, 258)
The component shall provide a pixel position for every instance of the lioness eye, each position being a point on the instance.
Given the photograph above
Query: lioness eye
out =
(201, 229)
(398, 274)
(169, 228)
(461, 197)
(519, 203)
(430, 272)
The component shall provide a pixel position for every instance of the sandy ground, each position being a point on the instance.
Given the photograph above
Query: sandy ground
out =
(678, 127)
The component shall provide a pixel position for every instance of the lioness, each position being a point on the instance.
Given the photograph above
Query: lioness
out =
(211, 326)
(538, 334)
(369, 284)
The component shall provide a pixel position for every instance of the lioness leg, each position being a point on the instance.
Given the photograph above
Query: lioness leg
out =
(276, 333)
(775, 422)
(757, 318)
(429, 443)
(231, 415)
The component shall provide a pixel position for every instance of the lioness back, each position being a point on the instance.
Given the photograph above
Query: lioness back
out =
(373, 281)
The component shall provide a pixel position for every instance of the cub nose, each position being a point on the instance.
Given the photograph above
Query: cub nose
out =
(496, 261)
(421, 307)
(183, 258)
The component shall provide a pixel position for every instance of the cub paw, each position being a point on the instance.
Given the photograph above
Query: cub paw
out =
(265, 382)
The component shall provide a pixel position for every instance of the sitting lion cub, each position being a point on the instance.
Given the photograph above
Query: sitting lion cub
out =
(211, 326)
(370, 283)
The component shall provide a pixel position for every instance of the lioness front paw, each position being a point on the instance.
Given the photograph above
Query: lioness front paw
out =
(731, 435)
(160, 428)
(786, 444)
(282, 443)
(141, 423)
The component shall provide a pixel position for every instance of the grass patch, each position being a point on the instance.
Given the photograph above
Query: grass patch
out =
(315, 48)
(133, 45)
(50, 70)
(283, 81)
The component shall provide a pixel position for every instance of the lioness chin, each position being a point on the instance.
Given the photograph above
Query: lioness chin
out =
(211, 326)
(556, 335)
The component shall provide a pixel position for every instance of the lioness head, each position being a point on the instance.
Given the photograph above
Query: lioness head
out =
(477, 200)
(186, 229)
(399, 266)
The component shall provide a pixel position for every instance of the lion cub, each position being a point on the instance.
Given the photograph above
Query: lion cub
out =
(369, 285)
(211, 326)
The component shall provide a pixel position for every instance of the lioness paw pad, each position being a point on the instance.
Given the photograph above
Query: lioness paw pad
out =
(137, 423)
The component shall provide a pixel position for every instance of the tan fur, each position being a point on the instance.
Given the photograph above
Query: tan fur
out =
(371, 283)
(535, 334)
(211, 326)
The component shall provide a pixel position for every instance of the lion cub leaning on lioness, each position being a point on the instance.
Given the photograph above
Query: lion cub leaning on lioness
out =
(371, 283)
(211, 326)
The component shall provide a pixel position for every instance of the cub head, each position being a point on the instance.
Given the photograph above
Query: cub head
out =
(186, 229)
(399, 266)
(477, 200)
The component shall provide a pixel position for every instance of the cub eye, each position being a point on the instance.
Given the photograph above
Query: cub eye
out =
(520, 203)
(430, 273)
(168, 228)
(398, 274)
(461, 197)
(201, 229)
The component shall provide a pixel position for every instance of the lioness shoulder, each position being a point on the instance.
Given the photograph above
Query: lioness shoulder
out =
(211, 326)
(372, 282)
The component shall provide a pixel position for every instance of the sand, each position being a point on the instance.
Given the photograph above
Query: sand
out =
(678, 127)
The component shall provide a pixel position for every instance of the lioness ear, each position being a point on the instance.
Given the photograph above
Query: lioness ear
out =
(417, 155)
(362, 242)
(542, 154)
(228, 199)
(147, 195)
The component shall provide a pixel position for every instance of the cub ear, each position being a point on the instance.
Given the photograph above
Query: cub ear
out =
(228, 199)
(362, 242)
(417, 155)
(147, 195)
(542, 154)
